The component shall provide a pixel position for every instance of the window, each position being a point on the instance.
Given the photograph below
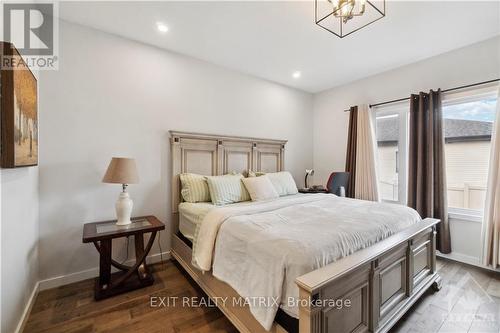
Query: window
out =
(391, 132)
(468, 124)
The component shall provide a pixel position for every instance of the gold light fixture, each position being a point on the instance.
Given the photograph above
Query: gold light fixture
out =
(345, 8)
(337, 16)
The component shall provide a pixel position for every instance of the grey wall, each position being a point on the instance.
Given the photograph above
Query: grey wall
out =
(475, 63)
(19, 224)
(115, 97)
(19, 235)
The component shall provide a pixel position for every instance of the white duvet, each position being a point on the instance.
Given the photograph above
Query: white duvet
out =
(260, 249)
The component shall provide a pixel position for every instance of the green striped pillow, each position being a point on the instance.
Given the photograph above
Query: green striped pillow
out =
(194, 188)
(227, 189)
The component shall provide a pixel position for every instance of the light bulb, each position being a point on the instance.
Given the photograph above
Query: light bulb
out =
(161, 27)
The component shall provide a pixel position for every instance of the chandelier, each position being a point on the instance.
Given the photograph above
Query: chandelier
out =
(343, 17)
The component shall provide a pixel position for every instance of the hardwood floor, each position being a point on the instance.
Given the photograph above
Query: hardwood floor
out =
(468, 302)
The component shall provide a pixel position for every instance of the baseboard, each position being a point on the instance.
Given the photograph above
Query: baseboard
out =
(27, 308)
(91, 273)
(469, 260)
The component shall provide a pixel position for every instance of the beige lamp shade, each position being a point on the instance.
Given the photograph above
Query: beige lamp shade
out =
(121, 171)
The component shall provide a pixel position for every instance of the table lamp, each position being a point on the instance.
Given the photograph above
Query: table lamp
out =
(309, 172)
(122, 171)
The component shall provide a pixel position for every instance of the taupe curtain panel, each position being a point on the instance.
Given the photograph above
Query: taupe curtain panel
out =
(350, 161)
(491, 224)
(366, 161)
(360, 159)
(426, 165)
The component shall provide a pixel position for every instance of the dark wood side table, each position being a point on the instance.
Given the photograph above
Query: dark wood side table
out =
(128, 277)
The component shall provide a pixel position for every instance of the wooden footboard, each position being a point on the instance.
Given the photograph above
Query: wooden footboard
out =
(367, 291)
(371, 289)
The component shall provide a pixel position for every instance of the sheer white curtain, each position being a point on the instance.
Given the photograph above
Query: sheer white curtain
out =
(491, 224)
(366, 169)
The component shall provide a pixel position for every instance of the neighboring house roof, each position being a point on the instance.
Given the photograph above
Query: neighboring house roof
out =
(467, 130)
(455, 130)
(388, 130)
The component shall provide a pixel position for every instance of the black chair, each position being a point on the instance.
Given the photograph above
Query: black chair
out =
(336, 181)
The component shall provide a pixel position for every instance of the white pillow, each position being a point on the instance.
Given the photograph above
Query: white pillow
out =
(194, 188)
(227, 189)
(283, 183)
(260, 188)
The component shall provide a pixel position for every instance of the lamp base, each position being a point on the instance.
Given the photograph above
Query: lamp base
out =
(123, 223)
(124, 209)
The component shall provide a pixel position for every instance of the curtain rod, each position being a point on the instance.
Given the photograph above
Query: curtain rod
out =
(445, 91)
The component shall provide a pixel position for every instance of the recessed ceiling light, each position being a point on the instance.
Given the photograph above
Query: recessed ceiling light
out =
(296, 74)
(162, 27)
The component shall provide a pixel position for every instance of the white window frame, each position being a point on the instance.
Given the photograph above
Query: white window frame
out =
(402, 110)
(461, 97)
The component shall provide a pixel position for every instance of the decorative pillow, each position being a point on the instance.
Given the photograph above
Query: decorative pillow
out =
(255, 173)
(283, 183)
(260, 188)
(227, 189)
(194, 188)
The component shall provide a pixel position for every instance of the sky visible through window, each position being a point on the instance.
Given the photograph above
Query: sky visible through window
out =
(483, 110)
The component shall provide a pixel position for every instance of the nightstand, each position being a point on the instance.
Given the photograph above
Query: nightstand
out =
(309, 190)
(128, 277)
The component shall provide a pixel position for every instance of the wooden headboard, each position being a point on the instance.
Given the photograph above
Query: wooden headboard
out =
(211, 155)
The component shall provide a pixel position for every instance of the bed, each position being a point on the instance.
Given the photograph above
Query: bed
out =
(380, 257)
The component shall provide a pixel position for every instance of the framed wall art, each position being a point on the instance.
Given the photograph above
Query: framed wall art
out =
(19, 110)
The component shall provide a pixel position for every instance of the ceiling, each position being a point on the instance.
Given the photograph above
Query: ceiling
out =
(271, 40)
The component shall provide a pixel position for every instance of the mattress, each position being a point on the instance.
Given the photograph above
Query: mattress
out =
(192, 214)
